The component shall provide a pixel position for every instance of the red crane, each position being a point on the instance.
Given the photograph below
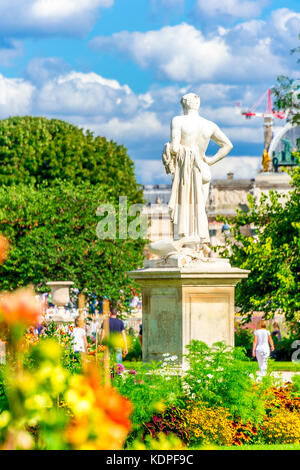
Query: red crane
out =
(270, 113)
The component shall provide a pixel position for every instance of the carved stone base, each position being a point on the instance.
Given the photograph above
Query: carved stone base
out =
(179, 260)
(182, 303)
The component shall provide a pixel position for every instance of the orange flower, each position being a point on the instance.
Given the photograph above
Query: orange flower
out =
(4, 247)
(20, 306)
(103, 422)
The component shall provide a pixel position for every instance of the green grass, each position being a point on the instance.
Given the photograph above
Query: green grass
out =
(273, 366)
(285, 366)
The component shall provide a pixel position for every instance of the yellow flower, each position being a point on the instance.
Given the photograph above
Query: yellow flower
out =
(38, 401)
(4, 419)
(159, 407)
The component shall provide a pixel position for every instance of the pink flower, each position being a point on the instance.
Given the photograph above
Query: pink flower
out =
(119, 369)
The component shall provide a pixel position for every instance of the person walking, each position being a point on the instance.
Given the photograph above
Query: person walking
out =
(262, 344)
(79, 338)
(141, 335)
(276, 336)
(116, 326)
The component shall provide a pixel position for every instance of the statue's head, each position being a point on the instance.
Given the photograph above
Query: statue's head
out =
(190, 101)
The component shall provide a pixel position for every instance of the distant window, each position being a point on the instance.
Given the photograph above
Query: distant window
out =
(212, 233)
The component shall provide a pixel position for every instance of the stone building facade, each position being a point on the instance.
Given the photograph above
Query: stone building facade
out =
(225, 197)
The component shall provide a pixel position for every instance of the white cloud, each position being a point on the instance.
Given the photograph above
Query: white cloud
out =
(43, 69)
(227, 115)
(142, 126)
(241, 166)
(64, 9)
(49, 17)
(86, 94)
(182, 53)
(286, 25)
(245, 134)
(153, 171)
(234, 8)
(178, 52)
(104, 106)
(15, 97)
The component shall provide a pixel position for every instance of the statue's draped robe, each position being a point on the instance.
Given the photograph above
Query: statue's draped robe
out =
(188, 196)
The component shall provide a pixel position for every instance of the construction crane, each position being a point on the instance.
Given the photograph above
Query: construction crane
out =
(268, 116)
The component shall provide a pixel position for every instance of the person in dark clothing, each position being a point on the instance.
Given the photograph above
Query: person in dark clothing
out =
(141, 335)
(276, 335)
(276, 332)
(116, 326)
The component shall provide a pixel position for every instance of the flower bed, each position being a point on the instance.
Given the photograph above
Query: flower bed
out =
(52, 398)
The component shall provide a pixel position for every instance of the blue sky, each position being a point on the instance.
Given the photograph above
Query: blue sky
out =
(120, 67)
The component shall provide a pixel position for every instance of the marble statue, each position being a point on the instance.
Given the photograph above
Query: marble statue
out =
(184, 158)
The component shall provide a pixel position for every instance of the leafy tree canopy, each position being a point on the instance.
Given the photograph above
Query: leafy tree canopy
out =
(35, 149)
(272, 255)
(52, 232)
(287, 93)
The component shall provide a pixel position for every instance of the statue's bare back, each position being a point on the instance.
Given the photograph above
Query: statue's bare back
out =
(190, 131)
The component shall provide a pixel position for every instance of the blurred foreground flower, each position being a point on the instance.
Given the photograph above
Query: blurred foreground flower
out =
(101, 415)
(20, 307)
(4, 248)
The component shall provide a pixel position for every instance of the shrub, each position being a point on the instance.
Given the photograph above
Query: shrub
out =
(210, 425)
(173, 420)
(151, 390)
(221, 376)
(35, 149)
(244, 433)
(296, 383)
(243, 337)
(282, 427)
(135, 351)
(284, 348)
(283, 398)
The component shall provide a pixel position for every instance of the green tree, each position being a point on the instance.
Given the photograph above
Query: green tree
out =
(272, 255)
(36, 149)
(287, 93)
(287, 97)
(52, 232)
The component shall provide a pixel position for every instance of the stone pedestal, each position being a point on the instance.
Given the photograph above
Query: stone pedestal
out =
(187, 302)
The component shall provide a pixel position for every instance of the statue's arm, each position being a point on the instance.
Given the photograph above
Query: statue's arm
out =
(175, 135)
(171, 149)
(221, 139)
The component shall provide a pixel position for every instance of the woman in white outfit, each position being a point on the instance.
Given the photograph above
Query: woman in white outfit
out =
(79, 338)
(262, 344)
